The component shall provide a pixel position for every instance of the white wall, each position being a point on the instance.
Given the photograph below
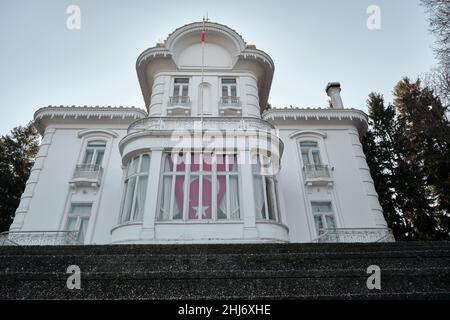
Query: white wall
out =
(247, 91)
(350, 201)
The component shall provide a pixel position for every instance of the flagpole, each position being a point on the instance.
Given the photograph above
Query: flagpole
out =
(201, 84)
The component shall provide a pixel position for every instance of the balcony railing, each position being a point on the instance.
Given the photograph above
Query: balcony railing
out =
(230, 101)
(179, 106)
(39, 238)
(179, 100)
(208, 123)
(349, 235)
(314, 171)
(87, 174)
(230, 106)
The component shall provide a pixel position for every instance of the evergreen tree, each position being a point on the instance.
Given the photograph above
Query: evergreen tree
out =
(17, 152)
(408, 153)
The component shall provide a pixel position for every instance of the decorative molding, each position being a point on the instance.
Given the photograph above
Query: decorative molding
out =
(307, 133)
(87, 132)
(209, 26)
(209, 123)
(357, 117)
(86, 113)
(151, 54)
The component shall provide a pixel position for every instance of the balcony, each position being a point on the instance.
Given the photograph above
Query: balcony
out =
(230, 106)
(315, 174)
(39, 238)
(179, 105)
(208, 123)
(358, 235)
(87, 175)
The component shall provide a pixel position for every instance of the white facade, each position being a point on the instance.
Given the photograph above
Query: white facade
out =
(187, 170)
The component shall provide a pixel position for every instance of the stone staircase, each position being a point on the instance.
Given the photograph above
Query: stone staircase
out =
(413, 270)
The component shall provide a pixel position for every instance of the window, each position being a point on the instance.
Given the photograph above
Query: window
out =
(323, 216)
(95, 151)
(310, 153)
(135, 188)
(78, 219)
(229, 91)
(266, 194)
(199, 186)
(180, 87)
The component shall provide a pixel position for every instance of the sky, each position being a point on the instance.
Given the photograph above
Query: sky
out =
(312, 42)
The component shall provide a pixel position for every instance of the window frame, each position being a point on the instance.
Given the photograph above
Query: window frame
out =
(95, 153)
(323, 215)
(258, 174)
(132, 218)
(182, 86)
(199, 174)
(79, 217)
(310, 152)
(229, 87)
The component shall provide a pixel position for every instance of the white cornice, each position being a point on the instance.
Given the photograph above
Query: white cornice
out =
(153, 53)
(357, 117)
(44, 116)
(309, 113)
(209, 26)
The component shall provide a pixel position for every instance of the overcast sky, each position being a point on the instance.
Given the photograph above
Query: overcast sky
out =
(311, 42)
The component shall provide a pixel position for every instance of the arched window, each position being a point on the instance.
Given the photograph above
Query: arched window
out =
(136, 181)
(266, 193)
(199, 186)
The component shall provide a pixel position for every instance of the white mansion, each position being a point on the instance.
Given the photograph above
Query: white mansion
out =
(208, 162)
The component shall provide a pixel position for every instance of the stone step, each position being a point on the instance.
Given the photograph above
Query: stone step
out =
(255, 271)
(322, 248)
(226, 262)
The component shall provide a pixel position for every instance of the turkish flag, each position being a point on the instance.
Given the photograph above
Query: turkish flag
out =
(203, 36)
(194, 186)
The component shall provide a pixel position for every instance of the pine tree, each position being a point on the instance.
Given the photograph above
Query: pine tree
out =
(425, 137)
(17, 152)
(382, 156)
(407, 150)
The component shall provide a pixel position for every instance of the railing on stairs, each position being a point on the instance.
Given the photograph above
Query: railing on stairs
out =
(39, 238)
(355, 235)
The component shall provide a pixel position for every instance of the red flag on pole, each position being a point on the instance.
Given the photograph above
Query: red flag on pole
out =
(203, 36)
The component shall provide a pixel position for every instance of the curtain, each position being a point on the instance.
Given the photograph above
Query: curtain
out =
(99, 157)
(88, 156)
(271, 204)
(145, 164)
(165, 198)
(140, 198)
(222, 197)
(128, 199)
(259, 197)
(72, 224)
(83, 228)
(233, 189)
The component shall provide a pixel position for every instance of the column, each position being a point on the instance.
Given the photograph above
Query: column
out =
(248, 200)
(151, 200)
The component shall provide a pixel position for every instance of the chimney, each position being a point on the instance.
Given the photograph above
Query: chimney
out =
(333, 90)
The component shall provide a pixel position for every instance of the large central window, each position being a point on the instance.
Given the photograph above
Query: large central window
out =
(199, 186)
